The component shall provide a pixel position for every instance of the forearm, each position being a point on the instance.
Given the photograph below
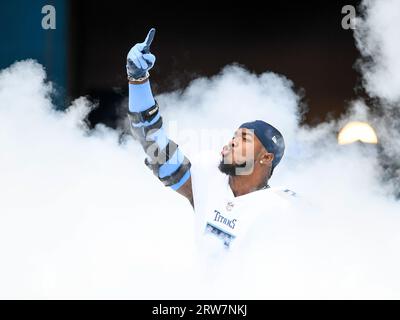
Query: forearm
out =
(140, 96)
(164, 157)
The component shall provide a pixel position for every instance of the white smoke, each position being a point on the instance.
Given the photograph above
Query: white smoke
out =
(82, 217)
(77, 210)
(377, 39)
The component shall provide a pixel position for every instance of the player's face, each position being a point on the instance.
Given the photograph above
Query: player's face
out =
(240, 150)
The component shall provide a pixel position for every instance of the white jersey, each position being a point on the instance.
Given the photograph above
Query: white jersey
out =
(223, 220)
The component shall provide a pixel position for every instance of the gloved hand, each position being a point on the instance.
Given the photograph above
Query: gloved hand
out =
(139, 59)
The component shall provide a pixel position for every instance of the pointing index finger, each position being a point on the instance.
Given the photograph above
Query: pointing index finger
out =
(149, 40)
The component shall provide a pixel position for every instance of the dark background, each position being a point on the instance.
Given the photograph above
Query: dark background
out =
(85, 55)
(302, 40)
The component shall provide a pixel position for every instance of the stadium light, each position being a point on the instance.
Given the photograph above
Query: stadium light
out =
(357, 131)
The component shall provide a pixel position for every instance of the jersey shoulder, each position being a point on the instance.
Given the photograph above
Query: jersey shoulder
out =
(284, 193)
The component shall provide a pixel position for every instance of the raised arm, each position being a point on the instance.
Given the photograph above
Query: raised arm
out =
(164, 157)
